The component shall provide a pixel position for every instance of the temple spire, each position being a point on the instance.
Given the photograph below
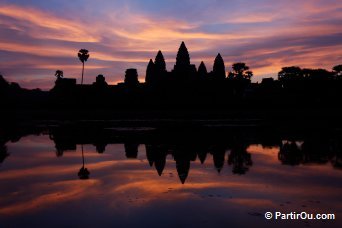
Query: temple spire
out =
(183, 57)
(219, 69)
(202, 70)
(150, 72)
(159, 62)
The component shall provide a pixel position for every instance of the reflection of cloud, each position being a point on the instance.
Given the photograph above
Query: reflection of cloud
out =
(250, 202)
(58, 170)
(57, 192)
(270, 155)
(155, 186)
(120, 185)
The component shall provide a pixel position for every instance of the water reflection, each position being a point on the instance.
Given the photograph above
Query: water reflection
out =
(3, 153)
(231, 175)
(83, 174)
(240, 159)
(225, 145)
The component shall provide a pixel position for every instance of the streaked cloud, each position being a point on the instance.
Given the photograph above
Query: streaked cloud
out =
(43, 25)
(38, 38)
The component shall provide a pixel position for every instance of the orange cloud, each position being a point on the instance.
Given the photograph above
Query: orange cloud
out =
(46, 26)
(127, 36)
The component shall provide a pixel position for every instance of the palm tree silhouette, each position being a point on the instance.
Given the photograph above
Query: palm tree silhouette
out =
(59, 74)
(83, 55)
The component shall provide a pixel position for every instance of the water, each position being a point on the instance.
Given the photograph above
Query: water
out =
(141, 180)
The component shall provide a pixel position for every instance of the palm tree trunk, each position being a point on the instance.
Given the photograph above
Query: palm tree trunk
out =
(82, 73)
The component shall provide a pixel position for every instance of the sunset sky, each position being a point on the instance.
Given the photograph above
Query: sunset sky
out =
(38, 37)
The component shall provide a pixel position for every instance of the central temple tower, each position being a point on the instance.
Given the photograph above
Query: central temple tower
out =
(183, 70)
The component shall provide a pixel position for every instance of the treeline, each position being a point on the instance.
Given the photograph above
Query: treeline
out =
(12, 95)
(295, 74)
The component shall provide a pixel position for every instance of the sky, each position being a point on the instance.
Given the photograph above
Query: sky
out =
(39, 37)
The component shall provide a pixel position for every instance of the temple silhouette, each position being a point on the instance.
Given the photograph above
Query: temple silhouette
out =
(186, 87)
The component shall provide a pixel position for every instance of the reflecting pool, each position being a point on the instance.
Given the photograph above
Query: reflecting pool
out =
(55, 176)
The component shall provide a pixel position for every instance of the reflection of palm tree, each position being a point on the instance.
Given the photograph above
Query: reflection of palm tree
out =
(83, 174)
(83, 55)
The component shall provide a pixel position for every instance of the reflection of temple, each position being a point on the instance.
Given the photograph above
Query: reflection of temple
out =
(218, 152)
(156, 155)
(184, 152)
(183, 156)
(225, 146)
(131, 150)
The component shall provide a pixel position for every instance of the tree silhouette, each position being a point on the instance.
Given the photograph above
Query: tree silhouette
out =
(83, 55)
(3, 83)
(290, 73)
(337, 70)
(59, 74)
(240, 71)
(249, 74)
(316, 74)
